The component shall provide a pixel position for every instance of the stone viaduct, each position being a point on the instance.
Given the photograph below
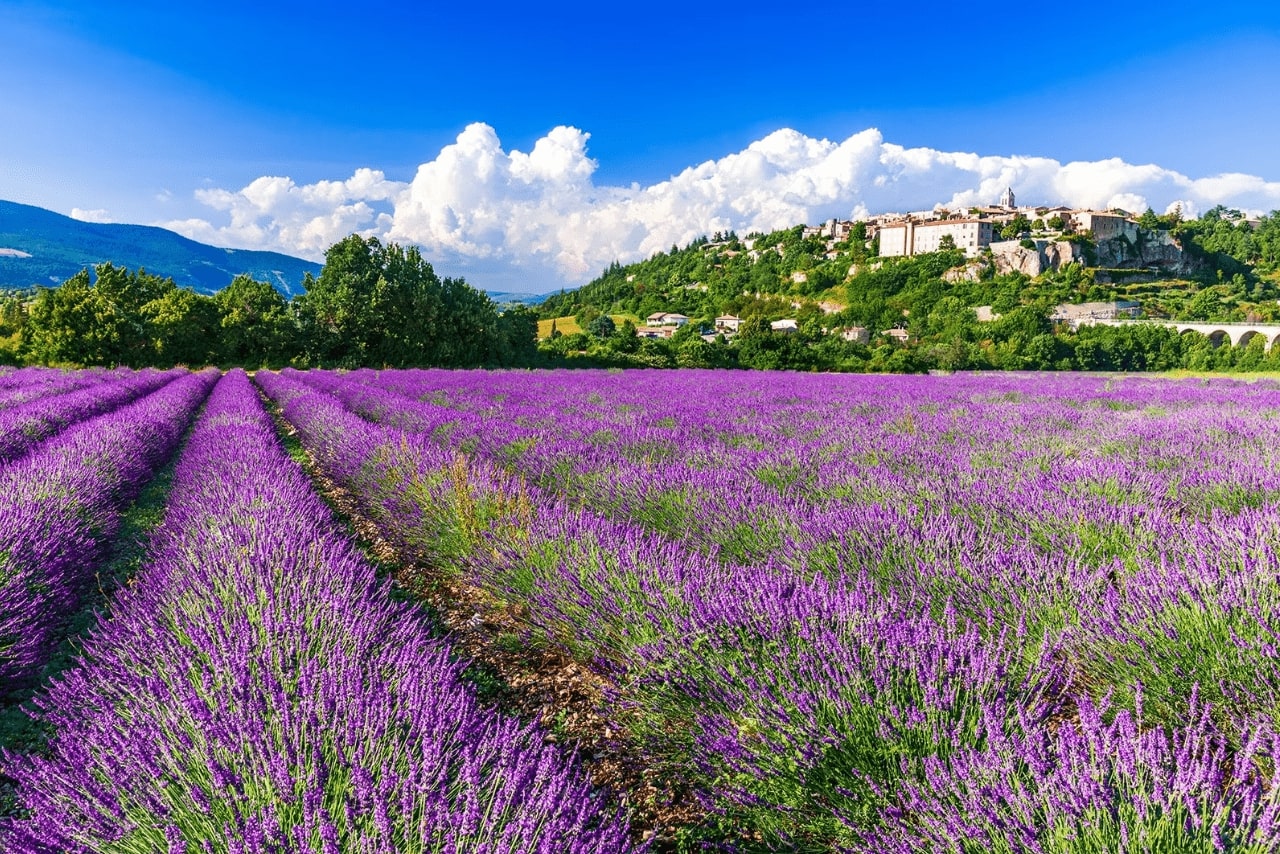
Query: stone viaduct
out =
(1238, 334)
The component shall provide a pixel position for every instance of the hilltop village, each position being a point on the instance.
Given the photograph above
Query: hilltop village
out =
(897, 289)
(1012, 239)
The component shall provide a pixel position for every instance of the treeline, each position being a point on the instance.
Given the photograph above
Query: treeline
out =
(372, 305)
(1234, 242)
(1023, 340)
(376, 305)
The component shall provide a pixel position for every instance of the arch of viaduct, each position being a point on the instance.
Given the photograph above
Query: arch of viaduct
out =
(1237, 334)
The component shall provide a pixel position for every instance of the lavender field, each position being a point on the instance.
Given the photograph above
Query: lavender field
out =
(1034, 613)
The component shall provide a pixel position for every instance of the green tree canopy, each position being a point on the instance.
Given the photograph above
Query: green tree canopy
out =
(98, 322)
(256, 325)
(602, 327)
(1015, 227)
(385, 306)
(182, 328)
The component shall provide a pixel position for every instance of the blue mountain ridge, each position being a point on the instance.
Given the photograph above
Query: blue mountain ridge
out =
(59, 247)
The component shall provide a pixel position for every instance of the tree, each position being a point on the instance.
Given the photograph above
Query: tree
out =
(585, 315)
(1020, 325)
(1089, 355)
(184, 328)
(517, 339)
(1015, 227)
(255, 324)
(60, 328)
(119, 297)
(465, 331)
(343, 313)
(625, 340)
(102, 322)
(602, 327)
(1253, 355)
(12, 315)
(1041, 353)
(381, 305)
(1205, 305)
(950, 320)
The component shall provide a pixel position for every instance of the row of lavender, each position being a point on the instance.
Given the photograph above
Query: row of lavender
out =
(27, 384)
(67, 399)
(257, 690)
(951, 650)
(13, 378)
(61, 504)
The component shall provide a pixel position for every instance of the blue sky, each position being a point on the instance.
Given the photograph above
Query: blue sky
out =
(168, 113)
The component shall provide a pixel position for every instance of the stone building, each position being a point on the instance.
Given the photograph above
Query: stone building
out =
(1104, 225)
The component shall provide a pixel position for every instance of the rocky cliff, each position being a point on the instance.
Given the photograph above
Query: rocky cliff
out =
(1134, 249)
(1137, 248)
(1010, 256)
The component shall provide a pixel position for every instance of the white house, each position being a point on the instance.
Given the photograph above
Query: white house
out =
(663, 318)
(655, 331)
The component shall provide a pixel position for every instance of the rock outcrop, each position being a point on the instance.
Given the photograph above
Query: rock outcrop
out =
(970, 271)
(1010, 256)
(1138, 248)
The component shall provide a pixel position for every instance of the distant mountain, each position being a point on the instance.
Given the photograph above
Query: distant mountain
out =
(40, 247)
(503, 298)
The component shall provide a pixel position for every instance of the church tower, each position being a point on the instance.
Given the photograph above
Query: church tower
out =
(1006, 198)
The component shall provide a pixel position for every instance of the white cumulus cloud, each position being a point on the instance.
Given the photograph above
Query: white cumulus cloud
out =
(95, 215)
(513, 220)
(276, 213)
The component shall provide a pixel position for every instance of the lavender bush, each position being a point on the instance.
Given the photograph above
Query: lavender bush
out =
(1099, 783)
